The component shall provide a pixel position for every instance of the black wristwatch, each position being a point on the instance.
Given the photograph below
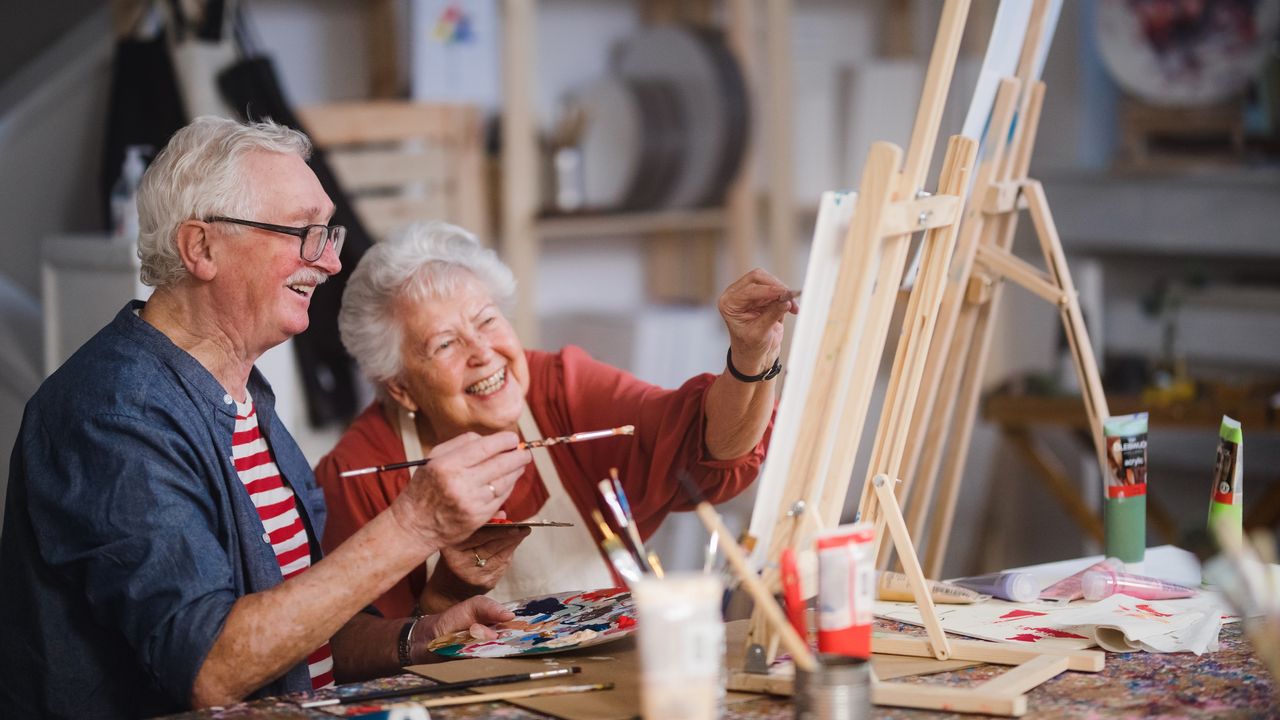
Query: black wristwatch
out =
(769, 374)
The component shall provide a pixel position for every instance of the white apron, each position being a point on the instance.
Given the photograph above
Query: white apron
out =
(551, 559)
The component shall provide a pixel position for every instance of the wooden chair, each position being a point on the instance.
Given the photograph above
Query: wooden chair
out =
(403, 161)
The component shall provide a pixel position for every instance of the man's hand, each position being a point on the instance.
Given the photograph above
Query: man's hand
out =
(473, 615)
(753, 308)
(467, 480)
(473, 567)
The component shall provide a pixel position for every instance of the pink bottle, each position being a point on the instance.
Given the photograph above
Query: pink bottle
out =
(1105, 582)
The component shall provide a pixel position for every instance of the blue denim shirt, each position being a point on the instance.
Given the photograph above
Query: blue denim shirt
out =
(127, 534)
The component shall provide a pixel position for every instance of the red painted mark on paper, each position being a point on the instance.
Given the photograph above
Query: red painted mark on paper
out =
(626, 621)
(1153, 611)
(1019, 614)
(1040, 633)
(1052, 632)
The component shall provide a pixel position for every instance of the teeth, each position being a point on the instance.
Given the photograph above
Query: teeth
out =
(302, 289)
(489, 384)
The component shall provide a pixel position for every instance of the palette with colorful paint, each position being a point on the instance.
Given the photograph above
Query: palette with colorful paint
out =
(550, 623)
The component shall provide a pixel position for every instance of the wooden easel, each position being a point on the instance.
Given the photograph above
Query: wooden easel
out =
(890, 207)
(952, 381)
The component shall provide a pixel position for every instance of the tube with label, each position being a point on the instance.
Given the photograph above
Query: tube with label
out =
(1099, 584)
(1012, 586)
(894, 586)
(846, 590)
(1124, 513)
(1226, 503)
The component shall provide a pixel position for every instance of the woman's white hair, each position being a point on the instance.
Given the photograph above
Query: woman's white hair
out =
(199, 174)
(419, 263)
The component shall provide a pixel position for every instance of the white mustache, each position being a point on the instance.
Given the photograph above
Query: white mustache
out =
(308, 276)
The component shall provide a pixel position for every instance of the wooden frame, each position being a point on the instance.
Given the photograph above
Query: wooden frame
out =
(403, 161)
(848, 357)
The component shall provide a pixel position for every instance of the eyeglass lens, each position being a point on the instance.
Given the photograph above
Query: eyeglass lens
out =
(314, 242)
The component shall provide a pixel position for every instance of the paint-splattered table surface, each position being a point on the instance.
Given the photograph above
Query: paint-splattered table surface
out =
(1229, 683)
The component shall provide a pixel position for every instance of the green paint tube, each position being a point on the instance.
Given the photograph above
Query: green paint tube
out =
(1226, 502)
(1124, 512)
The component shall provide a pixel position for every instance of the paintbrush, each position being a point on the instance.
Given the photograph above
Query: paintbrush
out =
(438, 687)
(545, 442)
(619, 556)
(513, 694)
(633, 529)
(799, 648)
(630, 537)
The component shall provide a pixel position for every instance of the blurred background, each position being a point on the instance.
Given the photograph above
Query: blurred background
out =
(629, 158)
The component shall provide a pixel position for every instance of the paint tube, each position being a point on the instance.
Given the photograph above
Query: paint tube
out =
(1124, 514)
(1071, 587)
(1103, 583)
(1012, 586)
(846, 590)
(1226, 503)
(895, 587)
(1226, 498)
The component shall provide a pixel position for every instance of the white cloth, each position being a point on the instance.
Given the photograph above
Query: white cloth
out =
(552, 560)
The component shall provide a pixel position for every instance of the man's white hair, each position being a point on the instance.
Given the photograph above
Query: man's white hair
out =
(197, 175)
(420, 263)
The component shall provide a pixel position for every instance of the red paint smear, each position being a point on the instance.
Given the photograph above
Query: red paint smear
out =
(1025, 637)
(1015, 614)
(626, 621)
(599, 594)
(1050, 632)
(1153, 611)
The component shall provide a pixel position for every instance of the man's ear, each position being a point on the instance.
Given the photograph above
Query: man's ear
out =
(400, 394)
(195, 250)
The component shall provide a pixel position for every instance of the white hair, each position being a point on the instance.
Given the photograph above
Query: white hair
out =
(197, 175)
(420, 262)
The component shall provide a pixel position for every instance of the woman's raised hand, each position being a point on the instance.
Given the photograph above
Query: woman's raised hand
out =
(753, 307)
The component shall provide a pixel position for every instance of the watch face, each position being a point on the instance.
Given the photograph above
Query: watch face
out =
(1177, 53)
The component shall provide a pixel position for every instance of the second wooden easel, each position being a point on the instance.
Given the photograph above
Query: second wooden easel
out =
(844, 365)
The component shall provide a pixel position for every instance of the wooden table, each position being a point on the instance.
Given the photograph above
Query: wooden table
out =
(1229, 683)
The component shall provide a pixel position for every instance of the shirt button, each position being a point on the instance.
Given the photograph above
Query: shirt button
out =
(226, 399)
(266, 538)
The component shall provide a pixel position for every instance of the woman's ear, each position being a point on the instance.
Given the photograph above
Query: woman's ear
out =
(400, 394)
(195, 250)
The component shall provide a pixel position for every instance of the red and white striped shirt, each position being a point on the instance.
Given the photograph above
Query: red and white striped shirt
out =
(278, 509)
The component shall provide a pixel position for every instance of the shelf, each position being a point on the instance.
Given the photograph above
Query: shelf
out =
(635, 223)
(1226, 214)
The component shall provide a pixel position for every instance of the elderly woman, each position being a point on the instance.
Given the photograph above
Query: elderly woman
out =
(422, 315)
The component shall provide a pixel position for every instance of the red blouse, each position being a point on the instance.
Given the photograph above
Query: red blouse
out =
(568, 392)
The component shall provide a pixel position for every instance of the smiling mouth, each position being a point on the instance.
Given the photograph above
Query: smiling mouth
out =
(303, 290)
(489, 385)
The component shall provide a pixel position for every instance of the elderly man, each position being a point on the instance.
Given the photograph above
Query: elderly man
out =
(161, 536)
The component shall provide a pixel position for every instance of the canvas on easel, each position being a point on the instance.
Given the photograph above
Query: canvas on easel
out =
(891, 205)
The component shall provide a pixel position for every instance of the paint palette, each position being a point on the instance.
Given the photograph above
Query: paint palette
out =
(526, 523)
(550, 623)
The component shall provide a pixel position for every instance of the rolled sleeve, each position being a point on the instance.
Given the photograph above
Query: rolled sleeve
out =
(120, 506)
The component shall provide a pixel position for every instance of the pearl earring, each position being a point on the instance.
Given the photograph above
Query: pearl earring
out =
(412, 415)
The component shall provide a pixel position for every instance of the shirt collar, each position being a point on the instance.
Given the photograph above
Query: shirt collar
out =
(185, 365)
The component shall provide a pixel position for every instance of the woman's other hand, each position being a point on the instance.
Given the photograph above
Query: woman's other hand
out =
(472, 567)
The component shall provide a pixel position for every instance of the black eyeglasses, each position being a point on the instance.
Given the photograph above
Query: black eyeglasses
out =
(313, 237)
